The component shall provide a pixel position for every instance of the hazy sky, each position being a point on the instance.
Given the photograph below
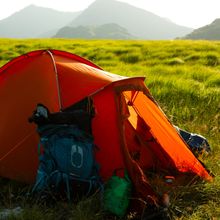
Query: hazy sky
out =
(191, 13)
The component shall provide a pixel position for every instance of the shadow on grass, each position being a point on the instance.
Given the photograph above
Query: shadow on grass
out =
(184, 201)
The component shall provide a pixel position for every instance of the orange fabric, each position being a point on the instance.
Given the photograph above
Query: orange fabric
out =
(143, 155)
(89, 80)
(141, 185)
(41, 77)
(22, 86)
(47, 77)
(171, 144)
(106, 133)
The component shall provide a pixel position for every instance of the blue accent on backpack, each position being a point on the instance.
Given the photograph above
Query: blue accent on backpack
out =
(67, 158)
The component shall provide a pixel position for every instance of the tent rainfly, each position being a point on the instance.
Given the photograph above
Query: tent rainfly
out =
(129, 128)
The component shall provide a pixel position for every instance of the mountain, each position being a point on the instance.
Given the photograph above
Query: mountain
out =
(138, 22)
(105, 31)
(208, 32)
(34, 21)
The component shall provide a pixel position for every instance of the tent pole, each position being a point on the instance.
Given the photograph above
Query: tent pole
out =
(57, 80)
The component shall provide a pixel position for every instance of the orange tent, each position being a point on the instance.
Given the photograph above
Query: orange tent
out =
(129, 128)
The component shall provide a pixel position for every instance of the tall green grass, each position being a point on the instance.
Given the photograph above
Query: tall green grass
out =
(184, 78)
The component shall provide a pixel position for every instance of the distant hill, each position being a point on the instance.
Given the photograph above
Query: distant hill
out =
(138, 22)
(105, 31)
(34, 22)
(208, 32)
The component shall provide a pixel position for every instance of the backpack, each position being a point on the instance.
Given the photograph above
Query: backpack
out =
(66, 159)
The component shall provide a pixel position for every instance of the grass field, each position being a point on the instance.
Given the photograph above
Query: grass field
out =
(184, 78)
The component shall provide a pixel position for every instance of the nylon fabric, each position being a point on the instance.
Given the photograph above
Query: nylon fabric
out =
(31, 79)
(168, 138)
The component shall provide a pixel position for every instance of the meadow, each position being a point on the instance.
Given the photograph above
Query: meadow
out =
(184, 78)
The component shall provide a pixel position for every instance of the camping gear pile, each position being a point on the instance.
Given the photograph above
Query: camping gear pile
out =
(68, 152)
(117, 194)
(197, 143)
(119, 116)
